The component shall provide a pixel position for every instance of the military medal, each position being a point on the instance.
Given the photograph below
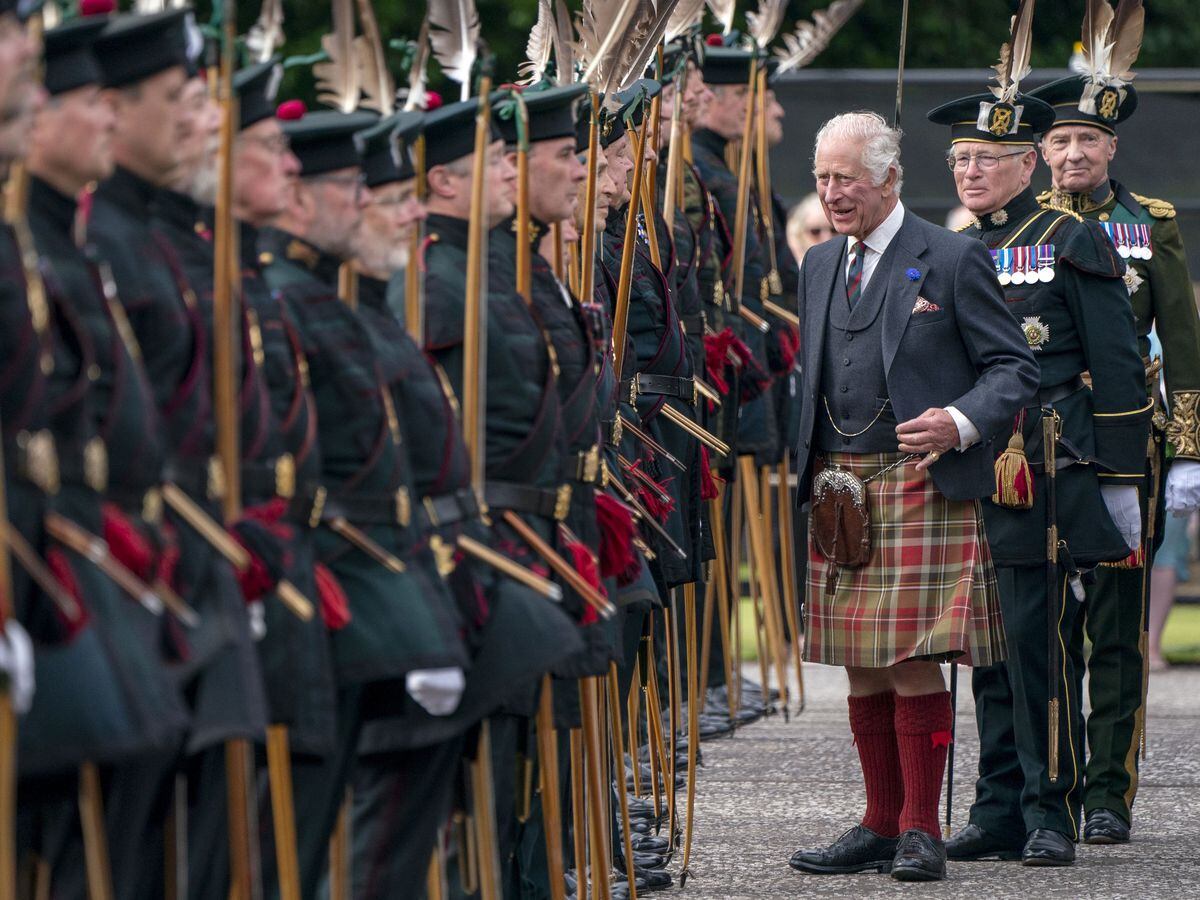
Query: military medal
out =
(1002, 260)
(1020, 264)
(1045, 263)
(1142, 248)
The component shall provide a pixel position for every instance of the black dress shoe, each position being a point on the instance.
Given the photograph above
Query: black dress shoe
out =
(1048, 848)
(919, 857)
(972, 842)
(1103, 826)
(858, 850)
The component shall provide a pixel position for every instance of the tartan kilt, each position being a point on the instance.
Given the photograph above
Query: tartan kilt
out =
(929, 589)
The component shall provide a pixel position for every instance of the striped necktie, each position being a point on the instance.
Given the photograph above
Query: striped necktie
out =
(854, 276)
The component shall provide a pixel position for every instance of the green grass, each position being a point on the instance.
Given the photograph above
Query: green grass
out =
(1181, 638)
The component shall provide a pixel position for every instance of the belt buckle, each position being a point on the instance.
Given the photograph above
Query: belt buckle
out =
(40, 463)
(318, 506)
(95, 464)
(430, 511)
(695, 393)
(215, 489)
(590, 464)
(562, 502)
(443, 556)
(403, 507)
(285, 476)
(635, 388)
(618, 431)
(152, 506)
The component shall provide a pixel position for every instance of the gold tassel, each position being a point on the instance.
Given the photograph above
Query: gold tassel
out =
(1014, 481)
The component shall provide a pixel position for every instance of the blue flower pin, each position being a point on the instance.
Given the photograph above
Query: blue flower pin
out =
(913, 274)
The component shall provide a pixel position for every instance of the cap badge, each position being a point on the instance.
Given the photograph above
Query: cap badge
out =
(1108, 104)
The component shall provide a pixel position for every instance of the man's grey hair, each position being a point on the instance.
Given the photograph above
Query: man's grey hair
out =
(880, 142)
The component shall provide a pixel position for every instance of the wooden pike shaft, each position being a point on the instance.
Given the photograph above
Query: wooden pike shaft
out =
(650, 221)
(614, 726)
(483, 796)
(524, 275)
(700, 433)
(283, 813)
(547, 744)
(347, 285)
(736, 521)
(414, 284)
(559, 263)
(787, 542)
(434, 889)
(674, 151)
(587, 240)
(514, 570)
(694, 701)
(241, 839)
(763, 568)
(671, 633)
(631, 717)
(474, 369)
(8, 783)
(560, 566)
(775, 613)
(780, 312)
(227, 281)
(625, 281)
(339, 853)
(597, 822)
(95, 840)
(658, 759)
(763, 169)
(578, 823)
(706, 627)
(742, 212)
(721, 597)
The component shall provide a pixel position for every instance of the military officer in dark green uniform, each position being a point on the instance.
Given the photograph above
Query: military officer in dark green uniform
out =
(1078, 149)
(400, 643)
(1063, 282)
(146, 62)
(101, 403)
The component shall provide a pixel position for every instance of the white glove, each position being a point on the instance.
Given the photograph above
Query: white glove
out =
(1183, 487)
(437, 690)
(16, 662)
(256, 615)
(1125, 512)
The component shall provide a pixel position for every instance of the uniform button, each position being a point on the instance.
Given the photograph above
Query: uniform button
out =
(849, 336)
(845, 388)
(846, 361)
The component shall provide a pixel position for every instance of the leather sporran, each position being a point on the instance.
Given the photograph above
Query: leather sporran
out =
(840, 520)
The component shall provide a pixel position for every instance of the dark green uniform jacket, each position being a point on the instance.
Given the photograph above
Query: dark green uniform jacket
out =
(278, 467)
(166, 319)
(400, 621)
(1076, 321)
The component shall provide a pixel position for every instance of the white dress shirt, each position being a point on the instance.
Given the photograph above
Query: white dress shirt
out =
(874, 246)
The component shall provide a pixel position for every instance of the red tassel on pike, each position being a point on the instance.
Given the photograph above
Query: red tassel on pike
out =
(708, 480)
(335, 605)
(617, 559)
(126, 543)
(60, 567)
(585, 564)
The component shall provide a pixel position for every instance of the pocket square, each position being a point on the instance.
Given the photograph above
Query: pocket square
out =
(924, 306)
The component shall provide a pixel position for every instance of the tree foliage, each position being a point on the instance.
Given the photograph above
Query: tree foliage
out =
(942, 33)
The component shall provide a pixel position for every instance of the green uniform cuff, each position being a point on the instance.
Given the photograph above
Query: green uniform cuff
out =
(1121, 444)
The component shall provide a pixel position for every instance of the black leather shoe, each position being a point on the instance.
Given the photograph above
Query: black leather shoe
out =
(1048, 848)
(1103, 826)
(919, 857)
(858, 850)
(972, 842)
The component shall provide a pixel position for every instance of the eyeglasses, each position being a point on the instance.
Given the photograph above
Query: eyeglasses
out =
(358, 180)
(278, 144)
(985, 161)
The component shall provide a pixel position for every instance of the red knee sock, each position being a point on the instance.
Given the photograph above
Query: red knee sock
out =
(923, 737)
(873, 723)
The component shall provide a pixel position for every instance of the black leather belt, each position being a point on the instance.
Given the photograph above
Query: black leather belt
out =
(693, 323)
(269, 478)
(549, 504)
(659, 385)
(1059, 392)
(448, 509)
(584, 466)
(375, 508)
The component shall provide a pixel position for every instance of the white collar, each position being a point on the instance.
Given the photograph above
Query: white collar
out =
(879, 239)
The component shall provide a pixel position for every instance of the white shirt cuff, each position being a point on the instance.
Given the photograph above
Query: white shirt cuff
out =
(968, 434)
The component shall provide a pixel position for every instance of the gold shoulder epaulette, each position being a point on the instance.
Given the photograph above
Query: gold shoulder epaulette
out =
(1160, 209)
(1044, 197)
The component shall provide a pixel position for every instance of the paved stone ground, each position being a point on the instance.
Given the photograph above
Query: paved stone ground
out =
(778, 786)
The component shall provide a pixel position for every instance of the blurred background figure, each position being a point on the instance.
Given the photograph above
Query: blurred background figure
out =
(1172, 567)
(806, 226)
(958, 218)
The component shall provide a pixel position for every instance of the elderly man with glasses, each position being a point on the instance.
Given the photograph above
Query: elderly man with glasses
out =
(894, 454)
(1062, 281)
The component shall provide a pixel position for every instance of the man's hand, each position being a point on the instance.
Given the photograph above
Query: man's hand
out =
(1183, 487)
(932, 433)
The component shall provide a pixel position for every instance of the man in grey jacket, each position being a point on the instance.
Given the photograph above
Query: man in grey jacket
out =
(911, 364)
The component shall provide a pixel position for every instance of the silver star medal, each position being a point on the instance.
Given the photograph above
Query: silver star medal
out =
(1037, 332)
(1133, 280)
(999, 217)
